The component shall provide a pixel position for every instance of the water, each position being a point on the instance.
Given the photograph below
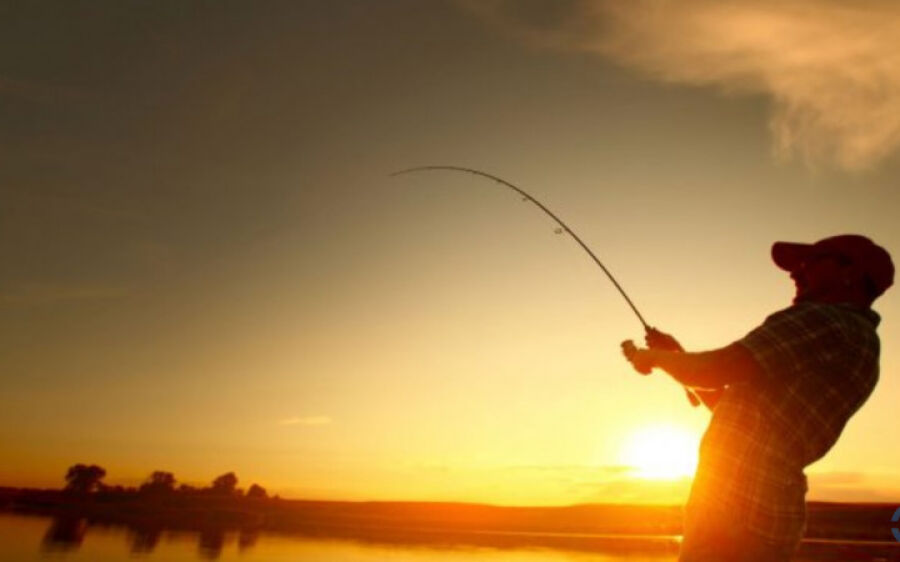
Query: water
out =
(31, 538)
(38, 538)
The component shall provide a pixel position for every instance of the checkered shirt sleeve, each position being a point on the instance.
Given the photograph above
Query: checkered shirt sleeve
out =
(819, 364)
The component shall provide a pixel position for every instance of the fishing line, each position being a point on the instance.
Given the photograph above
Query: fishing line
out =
(563, 227)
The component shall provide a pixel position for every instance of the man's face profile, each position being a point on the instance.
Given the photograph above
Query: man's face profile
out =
(822, 275)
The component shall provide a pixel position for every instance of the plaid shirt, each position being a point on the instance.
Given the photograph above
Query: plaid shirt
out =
(820, 364)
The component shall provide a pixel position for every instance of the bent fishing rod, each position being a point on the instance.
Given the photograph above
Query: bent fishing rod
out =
(563, 227)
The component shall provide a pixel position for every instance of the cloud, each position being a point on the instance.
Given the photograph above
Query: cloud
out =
(853, 486)
(632, 490)
(831, 68)
(308, 420)
(617, 484)
(549, 483)
(836, 478)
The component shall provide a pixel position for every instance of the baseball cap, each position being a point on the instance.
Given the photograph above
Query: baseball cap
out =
(873, 261)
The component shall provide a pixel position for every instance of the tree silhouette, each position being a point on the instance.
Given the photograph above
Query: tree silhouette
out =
(84, 479)
(159, 482)
(225, 485)
(257, 491)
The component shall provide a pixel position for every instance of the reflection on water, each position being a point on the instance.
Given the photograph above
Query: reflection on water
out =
(212, 541)
(64, 533)
(33, 538)
(144, 540)
(247, 539)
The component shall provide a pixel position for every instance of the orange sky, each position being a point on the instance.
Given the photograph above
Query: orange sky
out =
(207, 268)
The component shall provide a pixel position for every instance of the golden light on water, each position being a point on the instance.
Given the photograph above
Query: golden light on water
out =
(661, 452)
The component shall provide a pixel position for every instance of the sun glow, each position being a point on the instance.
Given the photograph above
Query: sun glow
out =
(661, 452)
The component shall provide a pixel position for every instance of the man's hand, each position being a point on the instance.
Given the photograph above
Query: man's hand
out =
(656, 339)
(665, 342)
(641, 359)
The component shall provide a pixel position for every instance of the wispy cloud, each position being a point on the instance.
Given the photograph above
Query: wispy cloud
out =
(308, 420)
(830, 67)
(548, 483)
(854, 486)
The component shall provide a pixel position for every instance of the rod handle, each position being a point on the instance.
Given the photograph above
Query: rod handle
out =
(659, 340)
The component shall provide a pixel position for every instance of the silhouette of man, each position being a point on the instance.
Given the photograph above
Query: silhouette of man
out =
(780, 397)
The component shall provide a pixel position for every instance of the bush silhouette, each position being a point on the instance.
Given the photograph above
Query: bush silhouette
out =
(257, 491)
(159, 482)
(225, 485)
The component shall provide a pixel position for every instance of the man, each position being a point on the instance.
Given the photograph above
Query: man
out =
(780, 398)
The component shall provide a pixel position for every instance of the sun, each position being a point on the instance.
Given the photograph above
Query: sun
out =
(661, 452)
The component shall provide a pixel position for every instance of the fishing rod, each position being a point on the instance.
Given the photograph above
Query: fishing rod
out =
(563, 227)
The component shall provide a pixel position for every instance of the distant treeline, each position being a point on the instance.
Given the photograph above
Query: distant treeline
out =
(159, 503)
(84, 479)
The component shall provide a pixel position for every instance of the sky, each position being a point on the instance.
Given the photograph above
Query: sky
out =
(207, 267)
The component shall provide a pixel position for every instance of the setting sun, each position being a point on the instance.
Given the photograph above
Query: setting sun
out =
(661, 452)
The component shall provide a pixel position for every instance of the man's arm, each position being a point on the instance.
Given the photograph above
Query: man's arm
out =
(657, 339)
(705, 369)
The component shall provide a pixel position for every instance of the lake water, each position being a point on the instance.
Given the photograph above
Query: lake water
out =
(33, 538)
